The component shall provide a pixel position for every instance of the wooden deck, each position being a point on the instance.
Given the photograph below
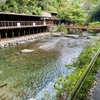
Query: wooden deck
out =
(83, 27)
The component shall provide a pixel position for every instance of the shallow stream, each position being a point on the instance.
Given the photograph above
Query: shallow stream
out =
(26, 74)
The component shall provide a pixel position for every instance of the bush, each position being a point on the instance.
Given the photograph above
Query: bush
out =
(94, 24)
(62, 28)
(66, 84)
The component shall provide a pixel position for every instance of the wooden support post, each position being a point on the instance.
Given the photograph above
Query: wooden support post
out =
(24, 33)
(44, 29)
(33, 31)
(0, 37)
(80, 32)
(29, 32)
(19, 34)
(13, 35)
(6, 36)
(37, 30)
(40, 30)
(68, 30)
(47, 29)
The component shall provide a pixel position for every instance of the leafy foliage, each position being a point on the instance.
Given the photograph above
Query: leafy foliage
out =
(75, 14)
(82, 95)
(72, 11)
(2, 2)
(65, 84)
(23, 6)
(94, 24)
(67, 9)
(62, 28)
(36, 6)
(95, 12)
(47, 96)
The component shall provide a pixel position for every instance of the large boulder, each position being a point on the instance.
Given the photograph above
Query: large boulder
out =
(26, 51)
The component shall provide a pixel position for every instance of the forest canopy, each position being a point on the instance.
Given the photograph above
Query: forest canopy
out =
(75, 10)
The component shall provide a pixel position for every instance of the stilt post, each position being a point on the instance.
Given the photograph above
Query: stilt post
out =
(19, 34)
(80, 32)
(13, 35)
(29, 32)
(33, 31)
(0, 37)
(37, 30)
(6, 36)
(24, 33)
(40, 30)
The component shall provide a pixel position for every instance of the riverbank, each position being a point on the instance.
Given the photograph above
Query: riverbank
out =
(38, 69)
(90, 83)
(30, 38)
(21, 40)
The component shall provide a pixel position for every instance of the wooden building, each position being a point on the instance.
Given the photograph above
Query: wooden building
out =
(16, 25)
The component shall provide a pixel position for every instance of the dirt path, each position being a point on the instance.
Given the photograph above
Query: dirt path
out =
(96, 92)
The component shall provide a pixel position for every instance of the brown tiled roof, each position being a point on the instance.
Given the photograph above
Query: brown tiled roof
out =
(21, 14)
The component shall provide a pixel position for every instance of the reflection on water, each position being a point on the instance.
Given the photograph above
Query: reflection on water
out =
(27, 73)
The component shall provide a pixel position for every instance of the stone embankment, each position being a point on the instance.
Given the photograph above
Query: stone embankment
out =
(21, 40)
(31, 38)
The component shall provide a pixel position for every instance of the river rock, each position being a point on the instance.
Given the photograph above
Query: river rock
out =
(2, 84)
(56, 34)
(26, 51)
(72, 36)
(1, 46)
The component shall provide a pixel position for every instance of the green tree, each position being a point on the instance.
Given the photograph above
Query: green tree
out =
(2, 2)
(95, 13)
(73, 13)
(10, 6)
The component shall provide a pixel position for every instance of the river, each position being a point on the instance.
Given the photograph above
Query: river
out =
(26, 74)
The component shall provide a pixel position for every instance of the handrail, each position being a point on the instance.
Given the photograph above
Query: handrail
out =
(73, 94)
(23, 23)
(83, 27)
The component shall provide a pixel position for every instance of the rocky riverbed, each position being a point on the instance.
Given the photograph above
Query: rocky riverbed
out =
(27, 74)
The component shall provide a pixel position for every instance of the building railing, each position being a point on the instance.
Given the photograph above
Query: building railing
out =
(24, 23)
(83, 27)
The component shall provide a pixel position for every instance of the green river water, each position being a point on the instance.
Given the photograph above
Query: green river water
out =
(26, 74)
